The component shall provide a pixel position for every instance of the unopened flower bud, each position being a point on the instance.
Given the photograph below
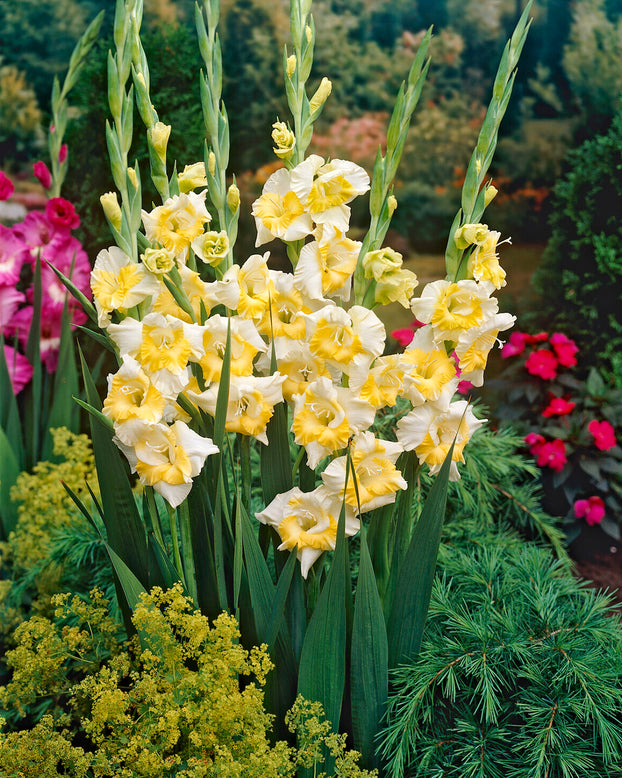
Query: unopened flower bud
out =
(391, 204)
(158, 261)
(469, 234)
(320, 97)
(491, 193)
(110, 204)
(62, 153)
(308, 34)
(211, 163)
(233, 198)
(478, 165)
(211, 247)
(192, 177)
(291, 65)
(382, 262)
(159, 135)
(141, 78)
(131, 174)
(284, 140)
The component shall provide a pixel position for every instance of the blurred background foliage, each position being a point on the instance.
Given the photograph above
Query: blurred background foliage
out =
(567, 93)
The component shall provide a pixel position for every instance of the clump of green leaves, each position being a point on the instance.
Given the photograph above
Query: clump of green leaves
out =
(518, 674)
(183, 698)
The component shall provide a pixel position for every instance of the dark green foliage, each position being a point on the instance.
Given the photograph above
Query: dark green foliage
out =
(519, 672)
(582, 272)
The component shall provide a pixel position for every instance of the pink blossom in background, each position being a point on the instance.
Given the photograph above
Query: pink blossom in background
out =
(10, 299)
(558, 407)
(42, 174)
(604, 434)
(69, 257)
(592, 510)
(403, 336)
(534, 441)
(36, 230)
(6, 187)
(515, 345)
(565, 349)
(552, 454)
(464, 387)
(62, 153)
(539, 337)
(542, 363)
(20, 369)
(62, 213)
(13, 252)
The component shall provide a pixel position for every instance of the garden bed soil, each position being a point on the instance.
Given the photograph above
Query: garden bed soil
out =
(598, 559)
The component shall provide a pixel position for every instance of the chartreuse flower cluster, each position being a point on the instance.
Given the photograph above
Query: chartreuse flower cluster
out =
(309, 337)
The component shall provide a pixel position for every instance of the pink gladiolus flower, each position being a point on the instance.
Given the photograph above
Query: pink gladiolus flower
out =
(13, 252)
(403, 336)
(42, 174)
(592, 510)
(515, 345)
(534, 441)
(10, 299)
(558, 407)
(20, 369)
(6, 186)
(604, 434)
(62, 213)
(62, 153)
(543, 363)
(552, 454)
(565, 349)
(464, 387)
(36, 230)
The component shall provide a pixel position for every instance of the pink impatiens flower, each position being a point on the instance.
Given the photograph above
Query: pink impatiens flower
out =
(552, 454)
(592, 510)
(604, 434)
(565, 349)
(534, 441)
(403, 336)
(20, 369)
(543, 363)
(539, 337)
(558, 407)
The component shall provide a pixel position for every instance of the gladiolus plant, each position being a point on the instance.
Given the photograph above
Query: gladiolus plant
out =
(246, 399)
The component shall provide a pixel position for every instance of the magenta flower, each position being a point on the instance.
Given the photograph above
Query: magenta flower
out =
(539, 337)
(543, 363)
(604, 434)
(464, 387)
(534, 441)
(552, 454)
(62, 153)
(592, 510)
(62, 213)
(36, 231)
(565, 349)
(10, 299)
(42, 174)
(13, 252)
(20, 369)
(403, 336)
(6, 186)
(558, 407)
(515, 345)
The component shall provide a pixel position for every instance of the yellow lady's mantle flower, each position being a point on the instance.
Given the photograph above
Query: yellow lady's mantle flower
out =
(308, 522)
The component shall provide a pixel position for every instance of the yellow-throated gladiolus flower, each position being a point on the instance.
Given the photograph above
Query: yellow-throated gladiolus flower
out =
(483, 263)
(162, 345)
(119, 284)
(255, 286)
(396, 288)
(454, 308)
(177, 223)
(246, 343)
(428, 370)
(279, 212)
(211, 247)
(470, 234)
(381, 385)
(325, 417)
(131, 395)
(430, 431)
(283, 317)
(474, 346)
(196, 290)
(335, 183)
(326, 265)
(377, 478)
(347, 340)
(167, 458)
(296, 363)
(158, 261)
(307, 521)
(250, 406)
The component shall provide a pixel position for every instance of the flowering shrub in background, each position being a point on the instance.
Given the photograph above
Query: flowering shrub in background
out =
(570, 428)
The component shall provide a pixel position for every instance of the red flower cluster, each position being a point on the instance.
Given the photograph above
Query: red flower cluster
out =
(558, 406)
(592, 510)
(542, 362)
(548, 453)
(604, 435)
